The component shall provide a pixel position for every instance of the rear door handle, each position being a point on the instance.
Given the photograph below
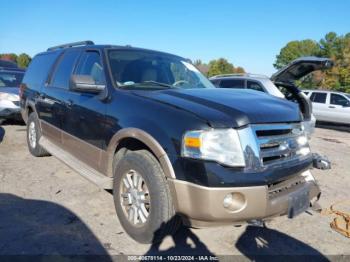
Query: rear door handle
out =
(331, 106)
(69, 103)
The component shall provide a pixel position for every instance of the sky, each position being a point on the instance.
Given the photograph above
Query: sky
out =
(249, 33)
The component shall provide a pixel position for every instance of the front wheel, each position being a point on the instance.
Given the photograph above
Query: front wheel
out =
(142, 198)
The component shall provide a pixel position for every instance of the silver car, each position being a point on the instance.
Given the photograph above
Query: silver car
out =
(281, 80)
(10, 79)
(330, 106)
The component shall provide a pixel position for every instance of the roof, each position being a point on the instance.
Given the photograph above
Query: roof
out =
(324, 91)
(91, 44)
(239, 75)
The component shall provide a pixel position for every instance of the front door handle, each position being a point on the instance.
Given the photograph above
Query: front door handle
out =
(331, 106)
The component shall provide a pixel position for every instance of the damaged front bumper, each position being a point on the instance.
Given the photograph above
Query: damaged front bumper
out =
(207, 206)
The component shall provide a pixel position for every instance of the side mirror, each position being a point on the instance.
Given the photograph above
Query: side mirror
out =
(85, 83)
(346, 104)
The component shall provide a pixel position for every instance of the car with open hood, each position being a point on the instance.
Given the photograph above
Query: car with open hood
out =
(171, 146)
(283, 80)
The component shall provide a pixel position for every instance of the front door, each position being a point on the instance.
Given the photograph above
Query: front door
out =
(84, 124)
(339, 108)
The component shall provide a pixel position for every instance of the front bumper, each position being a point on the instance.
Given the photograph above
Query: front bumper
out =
(203, 206)
(10, 110)
(10, 113)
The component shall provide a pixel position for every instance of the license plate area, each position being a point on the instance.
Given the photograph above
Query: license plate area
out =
(298, 202)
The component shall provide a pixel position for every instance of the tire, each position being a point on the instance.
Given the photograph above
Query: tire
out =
(161, 220)
(33, 136)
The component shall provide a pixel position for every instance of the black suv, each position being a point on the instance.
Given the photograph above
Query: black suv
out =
(172, 147)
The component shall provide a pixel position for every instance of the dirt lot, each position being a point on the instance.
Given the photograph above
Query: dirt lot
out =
(46, 208)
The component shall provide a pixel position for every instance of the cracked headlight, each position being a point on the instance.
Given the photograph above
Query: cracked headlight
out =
(222, 146)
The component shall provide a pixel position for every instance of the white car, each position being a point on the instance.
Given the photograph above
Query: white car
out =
(330, 106)
(281, 80)
(10, 79)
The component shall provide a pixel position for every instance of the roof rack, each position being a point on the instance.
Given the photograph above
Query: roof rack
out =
(240, 74)
(80, 43)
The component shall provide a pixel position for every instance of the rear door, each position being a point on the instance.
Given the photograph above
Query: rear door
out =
(339, 108)
(84, 124)
(232, 83)
(54, 95)
(320, 106)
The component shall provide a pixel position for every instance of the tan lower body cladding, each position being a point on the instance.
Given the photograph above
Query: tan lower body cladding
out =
(206, 206)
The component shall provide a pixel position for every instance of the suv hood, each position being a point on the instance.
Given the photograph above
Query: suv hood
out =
(301, 67)
(228, 107)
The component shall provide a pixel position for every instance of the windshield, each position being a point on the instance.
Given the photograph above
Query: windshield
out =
(133, 69)
(10, 79)
(348, 95)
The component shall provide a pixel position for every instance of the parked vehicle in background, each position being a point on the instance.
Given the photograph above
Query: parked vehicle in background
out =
(281, 80)
(10, 78)
(150, 126)
(330, 106)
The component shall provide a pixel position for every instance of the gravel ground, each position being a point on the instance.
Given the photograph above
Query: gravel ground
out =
(47, 208)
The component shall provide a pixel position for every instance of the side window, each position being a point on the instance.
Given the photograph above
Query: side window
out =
(64, 69)
(232, 83)
(338, 100)
(90, 64)
(318, 97)
(38, 70)
(255, 86)
(216, 82)
(306, 93)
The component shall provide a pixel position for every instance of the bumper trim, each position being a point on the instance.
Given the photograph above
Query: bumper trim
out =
(203, 206)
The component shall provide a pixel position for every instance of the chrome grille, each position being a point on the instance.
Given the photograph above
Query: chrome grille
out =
(280, 142)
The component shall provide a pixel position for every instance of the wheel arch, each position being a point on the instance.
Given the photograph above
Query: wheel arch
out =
(150, 143)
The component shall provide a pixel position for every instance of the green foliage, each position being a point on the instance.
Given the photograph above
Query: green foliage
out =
(332, 46)
(295, 49)
(10, 57)
(23, 60)
(222, 66)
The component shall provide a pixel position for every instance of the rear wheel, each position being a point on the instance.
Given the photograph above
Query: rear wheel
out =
(142, 198)
(33, 136)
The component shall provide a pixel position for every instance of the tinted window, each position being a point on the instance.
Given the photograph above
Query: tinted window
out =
(255, 86)
(38, 70)
(232, 83)
(318, 97)
(338, 100)
(10, 79)
(216, 82)
(90, 64)
(64, 69)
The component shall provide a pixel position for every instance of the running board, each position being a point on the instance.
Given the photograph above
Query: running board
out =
(80, 167)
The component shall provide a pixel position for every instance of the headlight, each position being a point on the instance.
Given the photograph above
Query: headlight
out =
(309, 126)
(222, 146)
(9, 97)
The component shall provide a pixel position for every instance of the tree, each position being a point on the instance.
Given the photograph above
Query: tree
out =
(202, 67)
(220, 66)
(296, 49)
(23, 60)
(333, 46)
(9, 57)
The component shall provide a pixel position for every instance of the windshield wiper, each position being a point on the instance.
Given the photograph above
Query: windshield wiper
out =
(146, 83)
